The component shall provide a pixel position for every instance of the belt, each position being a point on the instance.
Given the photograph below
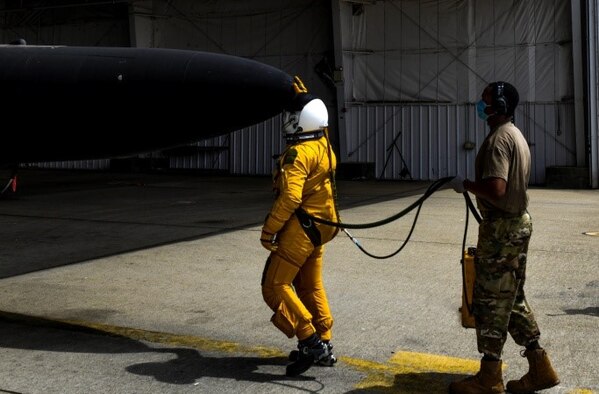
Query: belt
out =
(501, 214)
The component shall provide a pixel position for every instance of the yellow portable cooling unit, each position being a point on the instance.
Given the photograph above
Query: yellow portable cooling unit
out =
(468, 274)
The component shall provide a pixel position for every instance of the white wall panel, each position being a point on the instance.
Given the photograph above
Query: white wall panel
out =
(447, 50)
(592, 10)
(431, 143)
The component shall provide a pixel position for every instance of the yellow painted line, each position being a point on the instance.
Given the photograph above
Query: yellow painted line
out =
(404, 372)
(409, 362)
(410, 372)
(199, 343)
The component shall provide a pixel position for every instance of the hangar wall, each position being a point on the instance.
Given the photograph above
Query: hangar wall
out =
(412, 71)
(292, 35)
(101, 23)
(98, 23)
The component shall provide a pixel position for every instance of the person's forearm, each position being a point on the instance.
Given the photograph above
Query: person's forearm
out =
(491, 190)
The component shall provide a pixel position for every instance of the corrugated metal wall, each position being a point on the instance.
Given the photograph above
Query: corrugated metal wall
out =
(249, 151)
(427, 142)
(73, 165)
(409, 141)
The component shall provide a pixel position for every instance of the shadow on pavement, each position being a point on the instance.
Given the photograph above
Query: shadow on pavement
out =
(67, 217)
(415, 383)
(186, 367)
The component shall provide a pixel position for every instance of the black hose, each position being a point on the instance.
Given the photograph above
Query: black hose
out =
(405, 242)
(418, 203)
(431, 189)
(472, 208)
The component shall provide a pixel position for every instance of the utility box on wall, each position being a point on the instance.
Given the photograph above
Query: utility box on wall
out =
(567, 177)
(355, 171)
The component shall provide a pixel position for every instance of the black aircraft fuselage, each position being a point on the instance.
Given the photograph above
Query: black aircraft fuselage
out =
(71, 103)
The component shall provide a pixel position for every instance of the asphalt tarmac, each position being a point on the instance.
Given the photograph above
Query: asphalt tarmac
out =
(150, 283)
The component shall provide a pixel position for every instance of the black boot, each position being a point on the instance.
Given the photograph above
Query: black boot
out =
(327, 361)
(310, 351)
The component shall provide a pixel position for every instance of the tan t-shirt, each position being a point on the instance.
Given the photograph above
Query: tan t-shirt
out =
(504, 154)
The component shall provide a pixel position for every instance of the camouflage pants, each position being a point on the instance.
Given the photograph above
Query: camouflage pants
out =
(499, 304)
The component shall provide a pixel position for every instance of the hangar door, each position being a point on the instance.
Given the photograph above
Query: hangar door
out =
(414, 70)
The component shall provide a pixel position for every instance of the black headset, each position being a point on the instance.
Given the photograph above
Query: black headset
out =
(499, 102)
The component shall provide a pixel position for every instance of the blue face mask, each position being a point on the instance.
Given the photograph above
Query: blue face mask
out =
(480, 110)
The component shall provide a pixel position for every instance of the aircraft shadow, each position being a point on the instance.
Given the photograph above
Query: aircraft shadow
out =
(68, 217)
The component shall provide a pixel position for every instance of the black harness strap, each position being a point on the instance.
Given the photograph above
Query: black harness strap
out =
(309, 226)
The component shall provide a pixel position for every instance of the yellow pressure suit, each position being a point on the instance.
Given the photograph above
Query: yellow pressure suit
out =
(292, 283)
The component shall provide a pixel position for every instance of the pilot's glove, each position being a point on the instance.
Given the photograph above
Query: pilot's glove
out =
(269, 241)
(457, 184)
(268, 237)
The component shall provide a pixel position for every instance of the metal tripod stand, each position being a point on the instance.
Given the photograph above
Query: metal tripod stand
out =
(404, 171)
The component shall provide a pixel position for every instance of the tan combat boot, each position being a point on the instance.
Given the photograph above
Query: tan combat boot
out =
(488, 380)
(541, 374)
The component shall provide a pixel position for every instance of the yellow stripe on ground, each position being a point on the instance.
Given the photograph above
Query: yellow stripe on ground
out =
(145, 335)
(404, 372)
(409, 362)
(409, 372)
(180, 340)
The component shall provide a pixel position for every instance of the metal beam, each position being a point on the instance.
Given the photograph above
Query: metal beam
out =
(338, 78)
(592, 51)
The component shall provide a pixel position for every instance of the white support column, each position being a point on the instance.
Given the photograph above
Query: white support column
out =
(577, 60)
(593, 77)
(141, 24)
(338, 78)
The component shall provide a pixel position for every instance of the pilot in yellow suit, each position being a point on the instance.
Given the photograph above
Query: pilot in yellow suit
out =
(292, 284)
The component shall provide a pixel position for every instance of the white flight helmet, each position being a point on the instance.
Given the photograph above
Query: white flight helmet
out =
(313, 117)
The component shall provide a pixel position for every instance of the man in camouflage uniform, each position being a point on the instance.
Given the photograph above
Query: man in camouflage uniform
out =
(502, 171)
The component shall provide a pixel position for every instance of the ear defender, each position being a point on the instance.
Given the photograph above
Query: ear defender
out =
(499, 103)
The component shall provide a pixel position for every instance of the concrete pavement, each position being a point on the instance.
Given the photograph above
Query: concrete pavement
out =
(136, 283)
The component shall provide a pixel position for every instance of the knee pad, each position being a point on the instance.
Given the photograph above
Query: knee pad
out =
(280, 318)
(289, 316)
